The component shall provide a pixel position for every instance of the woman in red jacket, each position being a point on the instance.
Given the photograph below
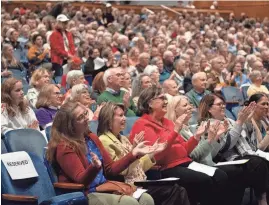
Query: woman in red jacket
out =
(79, 157)
(174, 160)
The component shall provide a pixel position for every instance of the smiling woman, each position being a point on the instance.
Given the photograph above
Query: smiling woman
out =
(174, 160)
(48, 102)
(111, 122)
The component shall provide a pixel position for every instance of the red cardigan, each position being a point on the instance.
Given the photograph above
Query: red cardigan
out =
(75, 168)
(177, 150)
(58, 52)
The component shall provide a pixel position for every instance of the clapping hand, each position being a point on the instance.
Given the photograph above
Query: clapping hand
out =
(245, 113)
(159, 147)
(138, 138)
(201, 130)
(222, 128)
(180, 121)
(212, 131)
(141, 149)
(95, 160)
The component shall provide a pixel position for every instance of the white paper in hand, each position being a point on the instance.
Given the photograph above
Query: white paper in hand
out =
(137, 194)
(98, 63)
(210, 171)
(19, 165)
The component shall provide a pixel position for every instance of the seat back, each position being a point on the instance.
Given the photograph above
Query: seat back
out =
(93, 126)
(3, 147)
(228, 114)
(48, 130)
(232, 95)
(40, 186)
(28, 140)
(244, 91)
(129, 124)
(235, 111)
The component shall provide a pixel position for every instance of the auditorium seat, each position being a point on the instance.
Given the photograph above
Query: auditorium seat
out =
(3, 147)
(235, 110)
(28, 140)
(233, 97)
(48, 131)
(228, 114)
(37, 190)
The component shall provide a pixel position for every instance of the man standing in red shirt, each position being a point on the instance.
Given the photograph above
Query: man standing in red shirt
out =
(62, 46)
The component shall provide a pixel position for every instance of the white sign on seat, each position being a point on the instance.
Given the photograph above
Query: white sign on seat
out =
(19, 165)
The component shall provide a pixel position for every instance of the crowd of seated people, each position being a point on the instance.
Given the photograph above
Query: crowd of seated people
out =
(63, 68)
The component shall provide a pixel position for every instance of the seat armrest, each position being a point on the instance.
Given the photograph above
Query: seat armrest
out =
(22, 198)
(74, 186)
(156, 168)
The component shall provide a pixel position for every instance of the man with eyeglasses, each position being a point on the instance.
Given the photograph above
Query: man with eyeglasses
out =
(113, 79)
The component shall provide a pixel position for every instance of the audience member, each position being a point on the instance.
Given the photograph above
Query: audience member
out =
(86, 157)
(15, 112)
(113, 79)
(174, 160)
(48, 102)
(256, 84)
(39, 79)
(110, 123)
(199, 89)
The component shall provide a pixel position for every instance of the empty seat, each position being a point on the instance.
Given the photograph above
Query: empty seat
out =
(37, 190)
(235, 110)
(28, 140)
(232, 95)
(228, 114)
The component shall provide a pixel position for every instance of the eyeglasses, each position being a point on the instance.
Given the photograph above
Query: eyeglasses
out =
(219, 104)
(161, 96)
(83, 116)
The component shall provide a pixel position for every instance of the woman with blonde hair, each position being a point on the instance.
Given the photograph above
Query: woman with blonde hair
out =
(11, 67)
(39, 79)
(15, 112)
(79, 157)
(111, 122)
(48, 102)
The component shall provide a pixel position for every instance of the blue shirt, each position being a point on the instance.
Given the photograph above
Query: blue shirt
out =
(240, 82)
(100, 178)
(164, 76)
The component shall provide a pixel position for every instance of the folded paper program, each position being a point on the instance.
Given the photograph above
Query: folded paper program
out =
(19, 165)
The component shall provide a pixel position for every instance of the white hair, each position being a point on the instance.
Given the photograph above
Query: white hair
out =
(197, 76)
(73, 75)
(77, 90)
(107, 74)
(150, 69)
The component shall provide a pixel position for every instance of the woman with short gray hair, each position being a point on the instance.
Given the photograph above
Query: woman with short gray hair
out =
(153, 72)
(80, 93)
(140, 83)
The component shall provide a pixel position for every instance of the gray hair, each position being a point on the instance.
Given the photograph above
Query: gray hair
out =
(196, 76)
(137, 85)
(77, 90)
(107, 74)
(73, 75)
(150, 69)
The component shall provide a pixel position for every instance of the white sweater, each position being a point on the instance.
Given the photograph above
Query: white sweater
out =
(19, 121)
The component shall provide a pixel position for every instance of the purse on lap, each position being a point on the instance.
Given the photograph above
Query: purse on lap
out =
(114, 187)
